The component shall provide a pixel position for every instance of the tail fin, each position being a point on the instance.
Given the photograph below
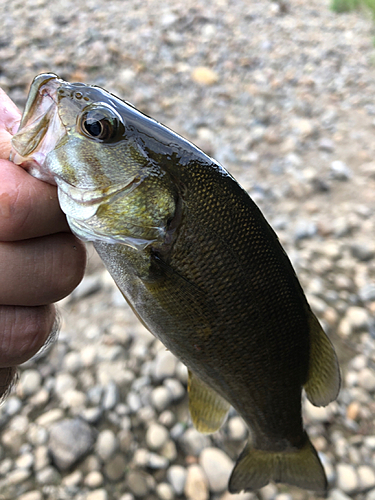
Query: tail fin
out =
(256, 468)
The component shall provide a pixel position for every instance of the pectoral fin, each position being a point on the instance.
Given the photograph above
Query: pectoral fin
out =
(208, 409)
(323, 383)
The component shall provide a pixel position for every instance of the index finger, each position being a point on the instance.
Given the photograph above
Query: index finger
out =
(29, 208)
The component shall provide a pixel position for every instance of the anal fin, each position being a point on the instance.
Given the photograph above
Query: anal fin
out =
(323, 381)
(208, 409)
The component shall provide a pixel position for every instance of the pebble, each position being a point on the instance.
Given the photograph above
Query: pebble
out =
(204, 76)
(139, 483)
(336, 494)
(161, 398)
(347, 479)
(29, 383)
(94, 479)
(340, 171)
(196, 485)
(106, 444)
(156, 436)
(70, 440)
(164, 365)
(164, 491)
(366, 476)
(31, 495)
(47, 476)
(366, 379)
(237, 428)
(176, 475)
(111, 396)
(193, 442)
(316, 413)
(100, 494)
(18, 476)
(115, 468)
(218, 467)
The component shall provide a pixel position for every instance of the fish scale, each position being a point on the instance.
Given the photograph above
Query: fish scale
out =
(199, 265)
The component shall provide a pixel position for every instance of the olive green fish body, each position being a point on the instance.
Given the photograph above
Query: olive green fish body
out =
(199, 265)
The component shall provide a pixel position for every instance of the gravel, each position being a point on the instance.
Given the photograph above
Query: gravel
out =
(282, 94)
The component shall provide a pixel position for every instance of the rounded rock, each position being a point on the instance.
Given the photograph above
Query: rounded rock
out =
(70, 440)
(106, 444)
(31, 495)
(94, 479)
(97, 495)
(237, 428)
(164, 365)
(138, 483)
(161, 398)
(193, 442)
(156, 436)
(165, 491)
(217, 466)
(196, 485)
(366, 476)
(347, 479)
(30, 383)
(115, 468)
(176, 475)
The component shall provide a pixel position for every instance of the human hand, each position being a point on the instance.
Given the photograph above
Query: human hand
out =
(40, 260)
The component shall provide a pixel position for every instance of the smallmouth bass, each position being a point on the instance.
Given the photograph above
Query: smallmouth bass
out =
(197, 262)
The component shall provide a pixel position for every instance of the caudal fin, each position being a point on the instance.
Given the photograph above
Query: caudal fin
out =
(256, 468)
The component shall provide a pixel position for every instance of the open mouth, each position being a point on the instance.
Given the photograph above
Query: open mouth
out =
(40, 128)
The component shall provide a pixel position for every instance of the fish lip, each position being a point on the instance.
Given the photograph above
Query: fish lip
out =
(40, 127)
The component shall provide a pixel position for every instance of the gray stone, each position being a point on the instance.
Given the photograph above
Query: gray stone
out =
(156, 436)
(100, 494)
(139, 483)
(73, 362)
(94, 479)
(196, 485)
(31, 495)
(70, 440)
(155, 461)
(362, 251)
(237, 428)
(347, 479)
(111, 396)
(29, 383)
(176, 475)
(217, 466)
(164, 365)
(175, 387)
(193, 442)
(366, 476)
(366, 379)
(336, 494)
(340, 171)
(161, 398)
(106, 444)
(48, 475)
(164, 491)
(115, 468)
(18, 476)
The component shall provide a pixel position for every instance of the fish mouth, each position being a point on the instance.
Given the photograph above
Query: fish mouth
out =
(41, 128)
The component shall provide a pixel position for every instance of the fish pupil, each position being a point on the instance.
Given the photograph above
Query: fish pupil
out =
(94, 128)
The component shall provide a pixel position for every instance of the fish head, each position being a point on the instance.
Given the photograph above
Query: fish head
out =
(85, 140)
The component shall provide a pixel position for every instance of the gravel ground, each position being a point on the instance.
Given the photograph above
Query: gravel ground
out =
(283, 95)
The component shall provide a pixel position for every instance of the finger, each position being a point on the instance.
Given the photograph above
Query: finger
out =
(9, 123)
(40, 271)
(23, 332)
(28, 207)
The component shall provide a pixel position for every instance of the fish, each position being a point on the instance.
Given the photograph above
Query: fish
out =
(199, 265)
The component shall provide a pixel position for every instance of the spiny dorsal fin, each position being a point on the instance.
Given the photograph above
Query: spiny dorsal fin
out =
(208, 409)
(323, 383)
(256, 468)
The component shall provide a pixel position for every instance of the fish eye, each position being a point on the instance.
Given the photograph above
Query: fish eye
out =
(101, 123)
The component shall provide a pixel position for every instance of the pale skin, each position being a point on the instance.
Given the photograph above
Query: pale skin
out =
(41, 261)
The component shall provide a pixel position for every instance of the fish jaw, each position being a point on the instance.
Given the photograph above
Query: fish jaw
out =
(41, 128)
